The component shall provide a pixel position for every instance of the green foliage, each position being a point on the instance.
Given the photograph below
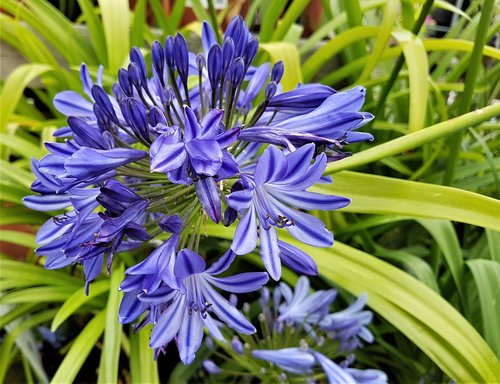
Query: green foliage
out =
(420, 236)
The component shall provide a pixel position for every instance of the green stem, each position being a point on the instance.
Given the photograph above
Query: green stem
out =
(416, 139)
(465, 101)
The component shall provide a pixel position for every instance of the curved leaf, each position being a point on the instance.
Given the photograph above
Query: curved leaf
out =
(80, 350)
(378, 194)
(287, 53)
(415, 309)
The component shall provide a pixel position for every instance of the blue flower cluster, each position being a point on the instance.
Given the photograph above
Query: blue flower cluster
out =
(197, 137)
(299, 331)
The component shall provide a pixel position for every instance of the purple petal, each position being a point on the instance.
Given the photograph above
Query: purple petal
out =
(188, 263)
(334, 373)
(205, 156)
(166, 157)
(211, 124)
(190, 337)
(222, 263)
(245, 237)
(71, 103)
(169, 323)
(309, 200)
(297, 259)
(208, 194)
(240, 200)
(130, 308)
(226, 312)
(207, 37)
(88, 162)
(291, 359)
(271, 166)
(241, 283)
(270, 253)
(228, 137)
(192, 128)
(45, 203)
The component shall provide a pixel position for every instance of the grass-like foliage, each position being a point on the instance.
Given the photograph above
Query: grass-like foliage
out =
(421, 236)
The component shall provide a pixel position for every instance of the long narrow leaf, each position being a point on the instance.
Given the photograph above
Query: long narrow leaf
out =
(385, 195)
(80, 350)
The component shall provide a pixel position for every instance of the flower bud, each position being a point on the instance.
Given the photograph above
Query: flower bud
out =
(277, 72)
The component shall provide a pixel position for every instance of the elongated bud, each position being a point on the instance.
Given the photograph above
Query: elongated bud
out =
(169, 52)
(118, 92)
(250, 51)
(277, 72)
(155, 117)
(227, 53)
(102, 99)
(135, 76)
(181, 56)
(214, 65)
(158, 58)
(125, 83)
(236, 71)
(137, 58)
(271, 89)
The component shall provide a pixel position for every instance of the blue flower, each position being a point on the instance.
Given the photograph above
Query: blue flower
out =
(268, 199)
(182, 313)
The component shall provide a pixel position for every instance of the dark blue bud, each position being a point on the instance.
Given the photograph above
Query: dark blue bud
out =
(236, 30)
(137, 58)
(227, 53)
(171, 224)
(155, 117)
(236, 71)
(102, 99)
(118, 92)
(250, 51)
(124, 80)
(135, 76)
(158, 58)
(277, 72)
(214, 65)
(230, 216)
(271, 89)
(200, 62)
(169, 52)
(181, 57)
(134, 113)
(102, 119)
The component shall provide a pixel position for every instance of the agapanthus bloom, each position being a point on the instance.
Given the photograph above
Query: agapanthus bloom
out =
(198, 137)
(296, 343)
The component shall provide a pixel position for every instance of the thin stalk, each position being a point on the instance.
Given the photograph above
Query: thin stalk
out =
(465, 101)
(416, 139)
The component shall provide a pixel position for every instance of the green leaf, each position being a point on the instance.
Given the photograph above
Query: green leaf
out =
(108, 367)
(115, 18)
(494, 244)
(486, 276)
(416, 61)
(293, 12)
(388, 22)
(319, 58)
(138, 24)
(18, 237)
(385, 195)
(417, 311)
(36, 275)
(22, 146)
(76, 300)
(143, 366)
(271, 11)
(415, 139)
(37, 294)
(444, 234)
(95, 28)
(13, 89)
(80, 350)
(287, 53)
